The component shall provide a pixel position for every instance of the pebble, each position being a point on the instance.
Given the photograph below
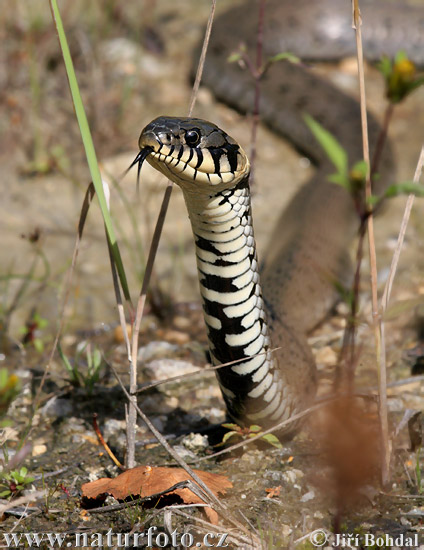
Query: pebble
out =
(184, 453)
(175, 336)
(395, 404)
(162, 369)
(158, 403)
(182, 323)
(57, 408)
(156, 350)
(113, 427)
(291, 476)
(214, 415)
(39, 449)
(196, 442)
(310, 495)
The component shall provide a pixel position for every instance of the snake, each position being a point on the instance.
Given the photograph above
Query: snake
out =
(258, 318)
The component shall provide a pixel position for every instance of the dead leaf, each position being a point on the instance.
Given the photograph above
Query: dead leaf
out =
(273, 492)
(145, 481)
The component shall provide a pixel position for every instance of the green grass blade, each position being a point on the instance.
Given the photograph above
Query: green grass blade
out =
(331, 146)
(88, 145)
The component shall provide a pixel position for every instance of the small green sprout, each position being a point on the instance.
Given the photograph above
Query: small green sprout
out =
(93, 364)
(247, 433)
(14, 482)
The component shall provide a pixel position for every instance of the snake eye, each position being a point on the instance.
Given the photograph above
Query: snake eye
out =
(192, 137)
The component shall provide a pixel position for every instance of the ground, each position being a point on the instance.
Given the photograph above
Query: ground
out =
(132, 63)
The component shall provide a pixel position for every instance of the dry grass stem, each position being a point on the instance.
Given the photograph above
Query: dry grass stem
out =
(408, 207)
(201, 63)
(381, 366)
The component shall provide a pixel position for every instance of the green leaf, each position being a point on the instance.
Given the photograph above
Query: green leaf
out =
(334, 151)
(255, 428)
(285, 56)
(385, 66)
(89, 146)
(400, 56)
(231, 426)
(272, 440)
(228, 435)
(339, 179)
(38, 345)
(405, 188)
(234, 57)
(4, 376)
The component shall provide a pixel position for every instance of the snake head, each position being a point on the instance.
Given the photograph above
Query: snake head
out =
(193, 153)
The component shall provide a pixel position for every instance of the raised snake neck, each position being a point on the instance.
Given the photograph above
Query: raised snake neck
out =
(308, 252)
(213, 173)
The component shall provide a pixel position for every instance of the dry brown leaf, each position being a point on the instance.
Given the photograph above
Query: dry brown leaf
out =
(145, 481)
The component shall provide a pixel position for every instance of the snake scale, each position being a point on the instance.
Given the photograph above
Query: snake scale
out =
(248, 313)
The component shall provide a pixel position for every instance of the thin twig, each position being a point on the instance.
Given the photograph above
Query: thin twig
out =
(382, 376)
(410, 201)
(201, 63)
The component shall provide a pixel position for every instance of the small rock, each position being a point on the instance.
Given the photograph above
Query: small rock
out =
(216, 416)
(291, 476)
(57, 408)
(182, 323)
(162, 369)
(113, 427)
(38, 450)
(196, 442)
(158, 403)
(175, 336)
(307, 496)
(156, 350)
(184, 453)
(395, 404)
(94, 472)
